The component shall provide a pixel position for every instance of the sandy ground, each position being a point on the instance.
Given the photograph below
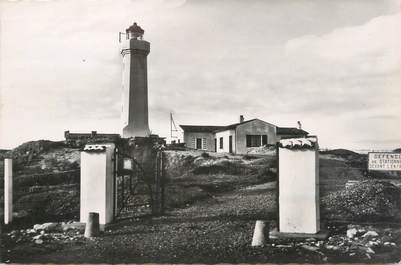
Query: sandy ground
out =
(216, 229)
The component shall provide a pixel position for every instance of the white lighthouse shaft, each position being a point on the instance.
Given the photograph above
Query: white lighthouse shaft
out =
(135, 87)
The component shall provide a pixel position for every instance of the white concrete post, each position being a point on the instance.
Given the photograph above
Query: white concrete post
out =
(258, 238)
(299, 186)
(8, 190)
(97, 182)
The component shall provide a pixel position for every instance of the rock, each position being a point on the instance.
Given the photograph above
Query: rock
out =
(20, 214)
(73, 226)
(370, 251)
(361, 231)
(31, 231)
(352, 232)
(310, 248)
(310, 239)
(283, 246)
(389, 244)
(37, 237)
(371, 234)
(332, 247)
(372, 244)
(48, 227)
(39, 241)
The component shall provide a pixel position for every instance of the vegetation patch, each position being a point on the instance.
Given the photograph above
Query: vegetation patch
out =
(365, 201)
(224, 167)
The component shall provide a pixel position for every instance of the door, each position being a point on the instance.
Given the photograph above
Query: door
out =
(230, 144)
(215, 144)
(198, 143)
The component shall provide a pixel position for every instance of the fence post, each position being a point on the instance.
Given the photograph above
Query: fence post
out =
(8, 190)
(1, 242)
(157, 204)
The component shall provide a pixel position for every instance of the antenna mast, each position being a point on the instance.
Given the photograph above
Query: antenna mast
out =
(173, 128)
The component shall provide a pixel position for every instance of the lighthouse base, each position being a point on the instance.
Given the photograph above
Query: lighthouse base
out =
(129, 132)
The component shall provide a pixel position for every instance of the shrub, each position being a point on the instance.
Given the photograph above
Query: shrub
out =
(225, 167)
(368, 201)
(249, 157)
(205, 155)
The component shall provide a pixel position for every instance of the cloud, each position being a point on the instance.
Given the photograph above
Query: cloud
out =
(280, 61)
(354, 66)
(376, 41)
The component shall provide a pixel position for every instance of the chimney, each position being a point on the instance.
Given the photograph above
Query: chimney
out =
(241, 118)
(299, 125)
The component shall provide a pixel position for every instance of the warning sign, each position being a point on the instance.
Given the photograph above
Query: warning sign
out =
(384, 161)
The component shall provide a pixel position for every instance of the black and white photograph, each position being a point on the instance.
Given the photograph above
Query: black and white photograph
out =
(200, 131)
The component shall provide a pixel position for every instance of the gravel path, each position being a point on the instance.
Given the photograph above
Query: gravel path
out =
(216, 230)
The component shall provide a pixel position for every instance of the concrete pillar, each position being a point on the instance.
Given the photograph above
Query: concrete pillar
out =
(299, 186)
(258, 238)
(92, 225)
(97, 182)
(135, 87)
(8, 190)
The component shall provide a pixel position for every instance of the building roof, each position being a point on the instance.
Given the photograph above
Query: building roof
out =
(291, 131)
(212, 128)
(200, 128)
(232, 126)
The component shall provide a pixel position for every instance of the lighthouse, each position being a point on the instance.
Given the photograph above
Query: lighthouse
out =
(134, 51)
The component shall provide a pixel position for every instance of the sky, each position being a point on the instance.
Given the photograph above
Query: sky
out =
(333, 65)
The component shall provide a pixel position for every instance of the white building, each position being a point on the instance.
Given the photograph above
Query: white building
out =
(237, 138)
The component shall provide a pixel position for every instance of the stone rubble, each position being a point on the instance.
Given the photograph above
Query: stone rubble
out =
(48, 232)
(352, 242)
(361, 243)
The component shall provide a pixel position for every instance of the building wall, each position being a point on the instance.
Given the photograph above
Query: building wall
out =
(190, 140)
(299, 191)
(256, 127)
(226, 136)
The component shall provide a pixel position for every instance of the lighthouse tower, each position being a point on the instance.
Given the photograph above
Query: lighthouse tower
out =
(134, 53)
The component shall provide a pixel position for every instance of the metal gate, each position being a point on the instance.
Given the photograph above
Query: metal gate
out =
(138, 194)
(133, 193)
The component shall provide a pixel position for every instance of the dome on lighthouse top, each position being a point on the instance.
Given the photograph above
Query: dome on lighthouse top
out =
(135, 31)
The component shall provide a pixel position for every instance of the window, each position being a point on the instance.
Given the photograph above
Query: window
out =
(221, 142)
(264, 139)
(200, 143)
(256, 140)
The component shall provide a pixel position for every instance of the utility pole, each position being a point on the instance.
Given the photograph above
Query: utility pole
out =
(173, 128)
